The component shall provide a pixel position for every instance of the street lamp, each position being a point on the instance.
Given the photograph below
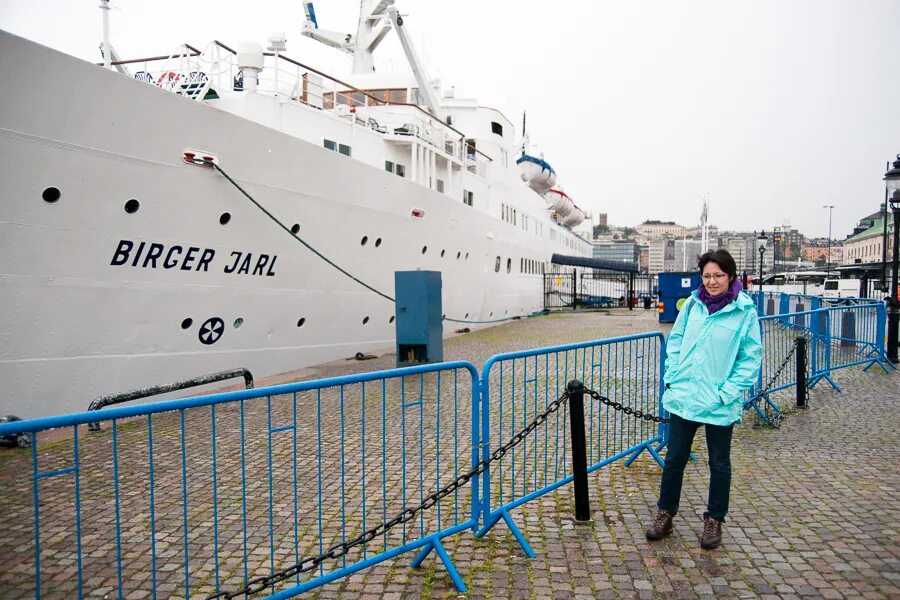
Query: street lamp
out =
(761, 241)
(892, 183)
(830, 207)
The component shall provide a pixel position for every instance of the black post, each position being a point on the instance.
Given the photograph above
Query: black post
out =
(802, 389)
(579, 450)
(631, 291)
(894, 311)
(574, 288)
(864, 285)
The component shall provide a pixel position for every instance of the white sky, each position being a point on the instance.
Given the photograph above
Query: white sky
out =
(772, 107)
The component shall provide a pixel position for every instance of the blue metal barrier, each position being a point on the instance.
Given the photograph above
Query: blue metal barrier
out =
(518, 386)
(208, 493)
(202, 495)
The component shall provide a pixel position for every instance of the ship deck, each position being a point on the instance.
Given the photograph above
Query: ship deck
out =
(813, 510)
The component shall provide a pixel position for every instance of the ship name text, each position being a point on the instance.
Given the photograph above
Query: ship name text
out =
(153, 255)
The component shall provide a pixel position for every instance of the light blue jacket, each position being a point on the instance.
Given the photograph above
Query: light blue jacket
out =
(711, 360)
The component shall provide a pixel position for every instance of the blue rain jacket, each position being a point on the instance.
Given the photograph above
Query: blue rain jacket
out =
(711, 360)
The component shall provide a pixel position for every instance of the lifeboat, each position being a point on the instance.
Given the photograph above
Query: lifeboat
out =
(537, 173)
(573, 218)
(559, 202)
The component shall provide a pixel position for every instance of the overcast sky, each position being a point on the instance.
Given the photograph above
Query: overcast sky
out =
(773, 108)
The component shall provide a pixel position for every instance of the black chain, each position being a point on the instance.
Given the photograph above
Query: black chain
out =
(259, 584)
(776, 419)
(625, 409)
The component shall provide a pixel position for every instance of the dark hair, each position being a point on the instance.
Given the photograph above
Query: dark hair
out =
(721, 258)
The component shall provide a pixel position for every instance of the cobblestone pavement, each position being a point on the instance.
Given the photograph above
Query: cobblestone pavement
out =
(812, 510)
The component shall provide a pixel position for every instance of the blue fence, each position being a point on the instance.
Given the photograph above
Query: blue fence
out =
(206, 495)
(518, 386)
(199, 496)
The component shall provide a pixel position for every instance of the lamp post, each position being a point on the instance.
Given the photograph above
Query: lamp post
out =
(892, 182)
(830, 207)
(761, 242)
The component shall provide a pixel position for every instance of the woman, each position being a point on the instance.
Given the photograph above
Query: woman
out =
(713, 355)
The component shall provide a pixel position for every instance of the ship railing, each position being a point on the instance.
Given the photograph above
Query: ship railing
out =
(200, 75)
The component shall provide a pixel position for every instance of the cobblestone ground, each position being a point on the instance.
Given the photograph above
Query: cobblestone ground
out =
(812, 511)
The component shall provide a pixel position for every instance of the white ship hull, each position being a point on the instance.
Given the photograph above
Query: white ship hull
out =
(81, 317)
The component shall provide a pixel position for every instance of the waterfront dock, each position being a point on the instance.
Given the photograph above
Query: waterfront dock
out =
(813, 509)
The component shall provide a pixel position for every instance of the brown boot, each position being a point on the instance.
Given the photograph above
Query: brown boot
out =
(712, 534)
(661, 526)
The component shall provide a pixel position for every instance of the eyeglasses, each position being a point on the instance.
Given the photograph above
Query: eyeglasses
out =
(716, 276)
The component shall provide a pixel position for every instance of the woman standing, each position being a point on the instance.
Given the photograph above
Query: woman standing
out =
(714, 355)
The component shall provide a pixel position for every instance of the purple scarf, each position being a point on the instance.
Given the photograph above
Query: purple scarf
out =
(716, 303)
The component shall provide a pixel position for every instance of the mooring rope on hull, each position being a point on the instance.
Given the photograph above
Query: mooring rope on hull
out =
(210, 163)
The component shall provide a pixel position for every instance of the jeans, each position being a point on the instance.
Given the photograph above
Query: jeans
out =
(718, 442)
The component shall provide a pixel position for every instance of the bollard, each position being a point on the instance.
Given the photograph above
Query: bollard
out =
(802, 389)
(770, 306)
(799, 320)
(848, 328)
(579, 450)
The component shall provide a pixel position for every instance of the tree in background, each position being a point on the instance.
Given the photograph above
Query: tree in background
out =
(600, 229)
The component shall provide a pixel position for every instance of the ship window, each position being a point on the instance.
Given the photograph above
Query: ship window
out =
(440, 185)
(359, 99)
(496, 128)
(468, 198)
(238, 322)
(414, 97)
(391, 320)
(330, 145)
(295, 229)
(497, 265)
(470, 148)
(398, 96)
(51, 195)
(132, 206)
(187, 323)
(301, 321)
(400, 170)
(365, 320)
(509, 265)
(424, 249)
(224, 218)
(363, 241)
(443, 252)
(388, 166)
(377, 242)
(344, 149)
(458, 254)
(381, 96)
(343, 98)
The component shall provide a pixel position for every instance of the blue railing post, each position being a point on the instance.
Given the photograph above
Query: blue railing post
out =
(881, 329)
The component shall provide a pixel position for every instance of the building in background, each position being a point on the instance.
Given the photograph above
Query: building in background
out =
(624, 251)
(657, 230)
(816, 251)
(602, 219)
(687, 252)
(661, 255)
(866, 245)
(742, 246)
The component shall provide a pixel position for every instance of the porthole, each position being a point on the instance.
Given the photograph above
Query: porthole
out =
(509, 265)
(377, 242)
(187, 323)
(442, 253)
(467, 256)
(301, 321)
(492, 314)
(458, 254)
(391, 320)
(467, 316)
(497, 265)
(51, 195)
(365, 320)
(295, 229)
(225, 218)
(238, 322)
(363, 241)
(132, 206)
(424, 249)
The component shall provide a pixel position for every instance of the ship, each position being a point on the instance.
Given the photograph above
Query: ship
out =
(231, 207)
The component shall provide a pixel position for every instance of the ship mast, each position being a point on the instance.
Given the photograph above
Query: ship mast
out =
(374, 24)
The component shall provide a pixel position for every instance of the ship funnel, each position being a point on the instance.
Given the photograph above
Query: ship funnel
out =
(250, 61)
